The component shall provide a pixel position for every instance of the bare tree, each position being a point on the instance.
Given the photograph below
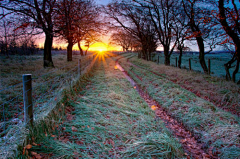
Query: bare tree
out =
(90, 25)
(201, 24)
(67, 15)
(91, 38)
(133, 20)
(180, 27)
(122, 38)
(41, 16)
(161, 14)
(5, 27)
(229, 19)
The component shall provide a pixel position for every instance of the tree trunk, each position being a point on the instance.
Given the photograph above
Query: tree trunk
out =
(235, 71)
(180, 58)
(69, 50)
(80, 49)
(166, 55)
(47, 58)
(86, 51)
(227, 66)
(202, 54)
(150, 56)
(237, 65)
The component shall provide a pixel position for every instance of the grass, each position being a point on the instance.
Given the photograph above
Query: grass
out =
(217, 63)
(47, 92)
(44, 81)
(199, 116)
(106, 118)
(225, 94)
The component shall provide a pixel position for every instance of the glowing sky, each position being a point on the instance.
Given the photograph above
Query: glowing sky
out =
(99, 46)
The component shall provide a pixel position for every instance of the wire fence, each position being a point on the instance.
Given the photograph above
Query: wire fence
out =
(23, 103)
(191, 62)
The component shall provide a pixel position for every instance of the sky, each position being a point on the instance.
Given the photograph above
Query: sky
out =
(102, 46)
(103, 2)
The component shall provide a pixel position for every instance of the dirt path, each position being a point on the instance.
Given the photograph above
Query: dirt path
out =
(204, 89)
(190, 144)
(214, 130)
(107, 118)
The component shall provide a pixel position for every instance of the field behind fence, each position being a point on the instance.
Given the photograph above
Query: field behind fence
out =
(217, 62)
(43, 86)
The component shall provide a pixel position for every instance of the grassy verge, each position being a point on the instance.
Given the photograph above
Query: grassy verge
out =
(224, 94)
(216, 129)
(44, 82)
(46, 96)
(106, 118)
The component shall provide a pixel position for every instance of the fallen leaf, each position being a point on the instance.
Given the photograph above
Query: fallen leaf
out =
(153, 107)
(34, 144)
(184, 140)
(28, 146)
(74, 129)
(24, 149)
(34, 153)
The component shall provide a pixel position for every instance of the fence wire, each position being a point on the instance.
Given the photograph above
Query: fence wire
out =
(46, 93)
(217, 63)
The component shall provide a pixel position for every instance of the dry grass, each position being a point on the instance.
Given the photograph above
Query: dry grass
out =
(222, 93)
(198, 115)
(109, 119)
(48, 85)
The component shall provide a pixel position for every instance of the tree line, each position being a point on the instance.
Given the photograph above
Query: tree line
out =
(72, 21)
(175, 24)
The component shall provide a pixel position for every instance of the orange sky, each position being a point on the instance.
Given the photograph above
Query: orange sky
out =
(99, 46)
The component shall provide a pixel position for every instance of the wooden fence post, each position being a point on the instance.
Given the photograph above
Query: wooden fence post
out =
(79, 67)
(176, 61)
(190, 66)
(209, 66)
(27, 99)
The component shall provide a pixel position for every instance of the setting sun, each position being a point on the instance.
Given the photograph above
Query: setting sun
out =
(99, 47)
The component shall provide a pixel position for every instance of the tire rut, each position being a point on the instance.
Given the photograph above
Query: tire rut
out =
(196, 93)
(191, 146)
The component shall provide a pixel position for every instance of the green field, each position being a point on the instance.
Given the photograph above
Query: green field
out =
(217, 63)
(102, 115)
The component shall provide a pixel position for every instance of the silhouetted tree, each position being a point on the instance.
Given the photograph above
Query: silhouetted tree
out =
(90, 25)
(201, 24)
(161, 14)
(230, 20)
(122, 38)
(133, 19)
(66, 17)
(40, 14)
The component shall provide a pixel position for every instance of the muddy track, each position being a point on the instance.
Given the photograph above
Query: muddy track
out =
(191, 146)
(232, 111)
